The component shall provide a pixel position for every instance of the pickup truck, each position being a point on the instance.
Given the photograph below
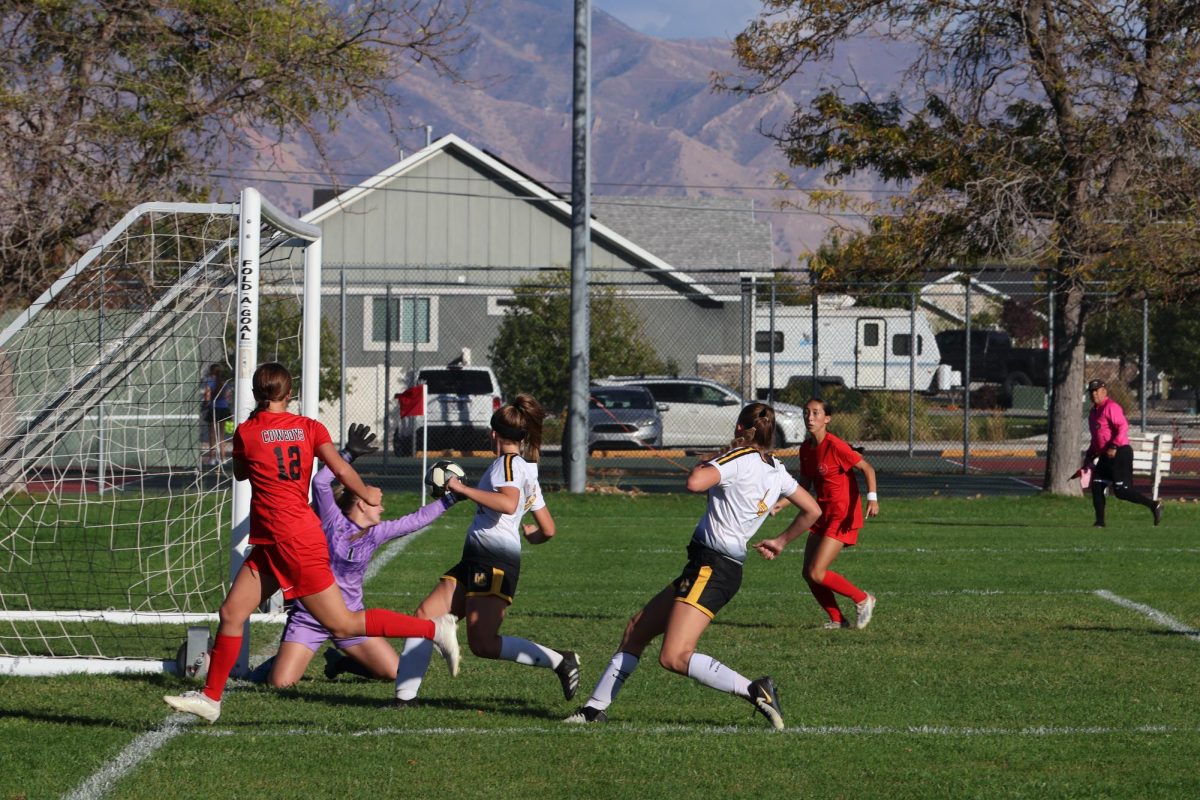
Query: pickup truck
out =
(995, 360)
(459, 404)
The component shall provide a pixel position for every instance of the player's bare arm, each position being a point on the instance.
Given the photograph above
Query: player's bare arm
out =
(504, 500)
(810, 512)
(872, 499)
(542, 530)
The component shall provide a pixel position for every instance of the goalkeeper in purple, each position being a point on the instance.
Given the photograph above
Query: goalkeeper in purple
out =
(355, 530)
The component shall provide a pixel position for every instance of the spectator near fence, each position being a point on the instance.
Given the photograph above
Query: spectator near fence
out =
(216, 407)
(1112, 455)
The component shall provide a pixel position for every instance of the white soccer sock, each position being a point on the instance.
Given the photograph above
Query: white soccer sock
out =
(619, 668)
(712, 673)
(414, 663)
(523, 651)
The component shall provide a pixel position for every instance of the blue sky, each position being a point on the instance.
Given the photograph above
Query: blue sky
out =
(683, 19)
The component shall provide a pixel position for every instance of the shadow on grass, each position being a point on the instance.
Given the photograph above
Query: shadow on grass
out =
(520, 613)
(75, 720)
(971, 524)
(509, 706)
(1128, 630)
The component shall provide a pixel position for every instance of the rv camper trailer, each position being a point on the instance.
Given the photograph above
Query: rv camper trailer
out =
(857, 346)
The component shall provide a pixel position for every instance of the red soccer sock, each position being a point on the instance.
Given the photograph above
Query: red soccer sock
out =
(220, 663)
(842, 586)
(827, 601)
(381, 622)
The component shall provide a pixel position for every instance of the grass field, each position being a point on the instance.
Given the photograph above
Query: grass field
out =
(1015, 652)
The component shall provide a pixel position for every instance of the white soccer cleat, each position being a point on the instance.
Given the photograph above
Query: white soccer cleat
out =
(585, 715)
(830, 625)
(197, 703)
(865, 609)
(445, 639)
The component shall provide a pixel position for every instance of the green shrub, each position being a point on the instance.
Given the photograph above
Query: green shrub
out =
(552, 428)
(839, 399)
(847, 426)
(885, 417)
(992, 427)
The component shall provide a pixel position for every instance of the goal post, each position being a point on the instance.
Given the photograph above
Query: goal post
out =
(120, 525)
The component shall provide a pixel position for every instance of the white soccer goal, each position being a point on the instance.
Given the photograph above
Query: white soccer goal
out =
(115, 532)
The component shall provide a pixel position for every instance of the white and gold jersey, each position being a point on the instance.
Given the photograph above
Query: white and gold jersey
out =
(741, 501)
(499, 535)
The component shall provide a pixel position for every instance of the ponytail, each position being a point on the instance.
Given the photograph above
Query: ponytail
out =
(261, 405)
(757, 421)
(272, 383)
(520, 421)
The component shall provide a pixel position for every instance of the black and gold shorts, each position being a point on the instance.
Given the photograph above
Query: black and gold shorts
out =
(485, 577)
(709, 581)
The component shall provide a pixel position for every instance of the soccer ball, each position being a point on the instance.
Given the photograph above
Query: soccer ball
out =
(440, 473)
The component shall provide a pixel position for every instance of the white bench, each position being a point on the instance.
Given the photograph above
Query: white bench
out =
(1151, 456)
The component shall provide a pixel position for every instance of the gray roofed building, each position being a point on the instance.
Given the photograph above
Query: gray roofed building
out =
(422, 262)
(695, 234)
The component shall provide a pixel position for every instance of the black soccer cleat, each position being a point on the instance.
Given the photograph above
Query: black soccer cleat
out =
(585, 715)
(334, 663)
(766, 700)
(568, 672)
(1158, 509)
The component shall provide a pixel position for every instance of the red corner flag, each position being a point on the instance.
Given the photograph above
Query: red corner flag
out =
(412, 401)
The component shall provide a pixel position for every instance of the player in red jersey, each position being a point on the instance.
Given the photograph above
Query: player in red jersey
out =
(274, 449)
(825, 464)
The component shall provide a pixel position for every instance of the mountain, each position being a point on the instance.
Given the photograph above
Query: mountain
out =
(658, 127)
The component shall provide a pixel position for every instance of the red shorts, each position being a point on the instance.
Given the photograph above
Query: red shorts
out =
(848, 538)
(299, 563)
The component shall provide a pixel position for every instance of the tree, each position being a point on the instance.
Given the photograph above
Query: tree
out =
(279, 336)
(531, 352)
(1022, 321)
(108, 103)
(1055, 133)
(1117, 333)
(1175, 342)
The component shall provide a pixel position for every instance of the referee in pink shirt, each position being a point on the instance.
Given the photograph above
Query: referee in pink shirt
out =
(1112, 454)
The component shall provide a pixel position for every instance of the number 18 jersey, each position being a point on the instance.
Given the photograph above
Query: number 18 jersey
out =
(279, 449)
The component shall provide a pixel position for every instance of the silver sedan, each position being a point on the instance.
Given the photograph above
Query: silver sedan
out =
(623, 417)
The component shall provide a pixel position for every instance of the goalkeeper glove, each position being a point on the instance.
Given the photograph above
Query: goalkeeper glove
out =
(359, 442)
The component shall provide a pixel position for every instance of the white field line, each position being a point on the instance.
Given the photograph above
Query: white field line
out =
(722, 730)
(1156, 616)
(141, 748)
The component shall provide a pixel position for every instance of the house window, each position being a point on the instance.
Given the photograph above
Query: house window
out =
(413, 322)
(902, 344)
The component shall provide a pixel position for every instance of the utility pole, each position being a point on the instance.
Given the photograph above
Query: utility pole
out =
(574, 453)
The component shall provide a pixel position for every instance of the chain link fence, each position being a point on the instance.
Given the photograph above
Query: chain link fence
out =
(950, 378)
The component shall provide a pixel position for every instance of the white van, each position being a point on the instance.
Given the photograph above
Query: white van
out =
(858, 346)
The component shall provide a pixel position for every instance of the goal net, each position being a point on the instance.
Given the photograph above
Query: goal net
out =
(120, 523)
